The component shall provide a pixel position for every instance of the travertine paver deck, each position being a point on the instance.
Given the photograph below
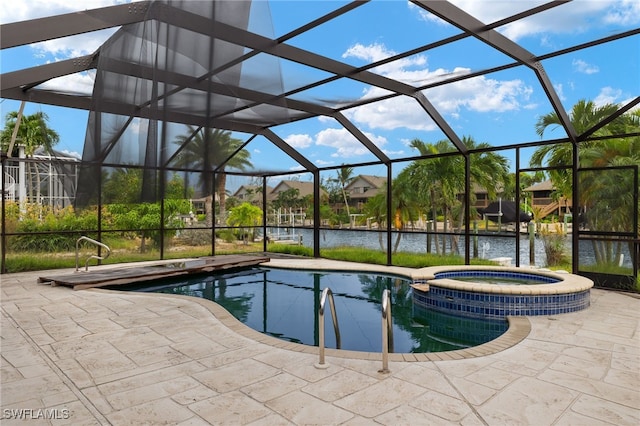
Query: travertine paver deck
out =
(98, 357)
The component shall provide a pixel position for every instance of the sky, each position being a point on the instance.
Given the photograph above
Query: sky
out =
(499, 109)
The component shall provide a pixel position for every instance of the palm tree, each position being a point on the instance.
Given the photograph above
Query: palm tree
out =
(344, 177)
(608, 210)
(440, 180)
(33, 133)
(584, 115)
(488, 169)
(404, 208)
(208, 150)
(245, 215)
(404, 205)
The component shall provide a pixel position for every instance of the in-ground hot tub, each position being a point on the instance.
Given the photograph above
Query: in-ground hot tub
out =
(494, 292)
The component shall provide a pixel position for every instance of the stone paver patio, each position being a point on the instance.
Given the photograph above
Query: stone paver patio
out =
(102, 357)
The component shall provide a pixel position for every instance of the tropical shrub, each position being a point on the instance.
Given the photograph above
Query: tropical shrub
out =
(553, 241)
(245, 215)
(143, 219)
(43, 228)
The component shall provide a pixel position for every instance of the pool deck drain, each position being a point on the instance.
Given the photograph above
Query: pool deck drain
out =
(107, 357)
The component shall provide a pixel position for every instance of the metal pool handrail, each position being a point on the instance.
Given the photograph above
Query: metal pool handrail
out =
(387, 330)
(98, 243)
(327, 294)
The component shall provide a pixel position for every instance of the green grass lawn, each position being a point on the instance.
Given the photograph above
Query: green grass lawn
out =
(32, 261)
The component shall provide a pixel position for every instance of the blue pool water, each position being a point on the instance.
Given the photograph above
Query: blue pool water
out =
(498, 277)
(284, 303)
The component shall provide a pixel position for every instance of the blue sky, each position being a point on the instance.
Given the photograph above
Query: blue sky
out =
(500, 109)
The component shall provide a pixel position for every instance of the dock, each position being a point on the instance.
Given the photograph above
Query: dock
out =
(102, 277)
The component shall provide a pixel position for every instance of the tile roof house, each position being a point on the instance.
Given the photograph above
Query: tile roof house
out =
(304, 188)
(362, 188)
(544, 201)
(251, 194)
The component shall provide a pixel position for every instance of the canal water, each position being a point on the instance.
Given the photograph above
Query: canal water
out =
(489, 247)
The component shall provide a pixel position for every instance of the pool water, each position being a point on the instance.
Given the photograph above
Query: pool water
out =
(497, 277)
(284, 303)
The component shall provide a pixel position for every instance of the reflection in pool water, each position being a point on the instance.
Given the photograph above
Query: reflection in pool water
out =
(284, 303)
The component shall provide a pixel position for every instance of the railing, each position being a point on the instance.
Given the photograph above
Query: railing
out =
(98, 243)
(327, 294)
(387, 330)
(9, 189)
(548, 209)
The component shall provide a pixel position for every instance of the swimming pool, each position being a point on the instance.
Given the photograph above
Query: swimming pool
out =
(284, 303)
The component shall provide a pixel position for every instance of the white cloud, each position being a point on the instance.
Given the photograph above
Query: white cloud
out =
(480, 94)
(625, 12)
(574, 17)
(377, 52)
(583, 67)
(424, 15)
(371, 53)
(72, 46)
(607, 95)
(344, 143)
(22, 10)
(75, 154)
(79, 83)
(299, 141)
(482, 10)
(560, 91)
(399, 153)
(391, 114)
(323, 163)
(340, 140)
(485, 11)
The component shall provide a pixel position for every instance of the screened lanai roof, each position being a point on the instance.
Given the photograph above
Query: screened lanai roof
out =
(174, 67)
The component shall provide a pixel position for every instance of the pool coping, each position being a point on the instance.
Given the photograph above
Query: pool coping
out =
(569, 283)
